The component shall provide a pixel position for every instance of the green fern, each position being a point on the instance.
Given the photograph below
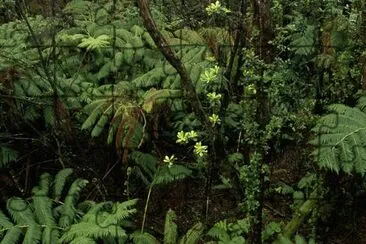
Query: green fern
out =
(143, 238)
(101, 221)
(48, 220)
(166, 174)
(341, 140)
(170, 228)
(193, 235)
(303, 43)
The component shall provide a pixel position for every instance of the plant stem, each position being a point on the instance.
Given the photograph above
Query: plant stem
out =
(146, 206)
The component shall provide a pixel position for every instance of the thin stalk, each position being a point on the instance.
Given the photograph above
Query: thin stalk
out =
(146, 206)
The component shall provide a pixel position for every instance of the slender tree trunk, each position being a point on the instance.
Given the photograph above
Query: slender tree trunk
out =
(262, 20)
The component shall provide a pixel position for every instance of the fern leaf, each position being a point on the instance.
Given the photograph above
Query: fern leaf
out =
(43, 209)
(220, 231)
(170, 228)
(103, 120)
(167, 174)
(95, 114)
(11, 233)
(59, 183)
(193, 235)
(21, 213)
(144, 238)
(341, 140)
(154, 96)
(83, 240)
(91, 230)
(68, 209)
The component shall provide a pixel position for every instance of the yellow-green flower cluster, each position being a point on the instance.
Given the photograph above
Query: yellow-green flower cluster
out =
(184, 137)
(210, 74)
(199, 149)
(216, 8)
(214, 119)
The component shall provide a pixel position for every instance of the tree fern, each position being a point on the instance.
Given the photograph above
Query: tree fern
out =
(340, 141)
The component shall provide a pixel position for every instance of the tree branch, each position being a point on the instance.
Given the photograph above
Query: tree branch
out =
(189, 90)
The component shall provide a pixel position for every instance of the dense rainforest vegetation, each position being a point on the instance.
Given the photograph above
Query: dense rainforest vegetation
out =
(183, 121)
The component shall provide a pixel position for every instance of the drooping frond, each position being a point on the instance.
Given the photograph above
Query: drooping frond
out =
(145, 166)
(168, 174)
(68, 210)
(59, 183)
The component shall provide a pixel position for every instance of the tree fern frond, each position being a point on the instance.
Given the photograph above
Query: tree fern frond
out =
(154, 96)
(341, 140)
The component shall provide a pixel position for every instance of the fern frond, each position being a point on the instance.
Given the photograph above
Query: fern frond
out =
(304, 43)
(9, 232)
(22, 213)
(83, 240)
(43, 209)
(193, 235)
(170, 228)
(59, 183)
(91, 230)
(68, 210)
(143, 238)
(153, 97)
(341, 140)
(168, 174)
(220, 231)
